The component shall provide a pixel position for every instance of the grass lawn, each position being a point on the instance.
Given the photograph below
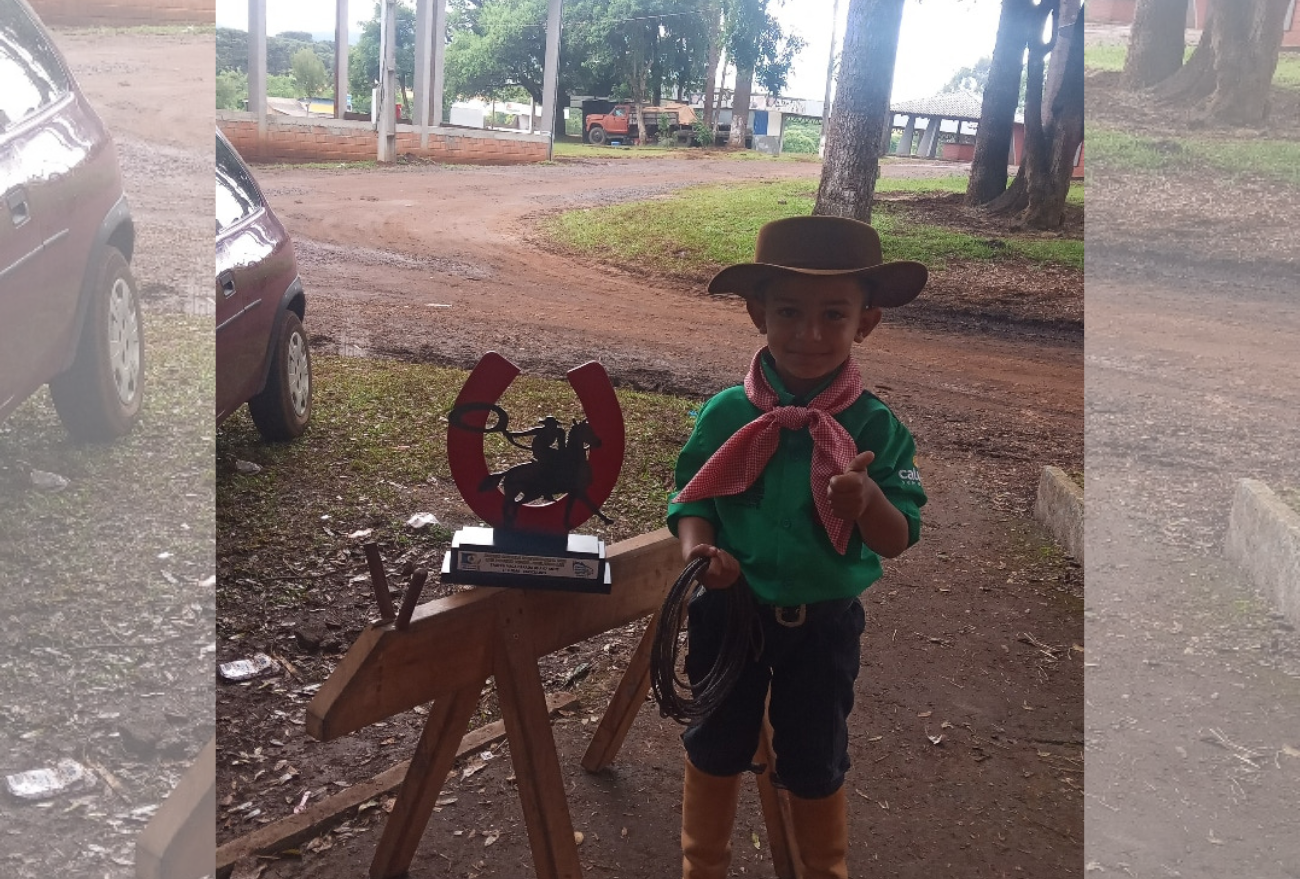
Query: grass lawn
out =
(574, 150)
(695, 230)
(889, 185)
(376, 453)
(126, 501)
(1111, 57)
(1275, 160)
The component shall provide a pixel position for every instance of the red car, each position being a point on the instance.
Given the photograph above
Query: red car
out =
(262, 354)
(69, 309)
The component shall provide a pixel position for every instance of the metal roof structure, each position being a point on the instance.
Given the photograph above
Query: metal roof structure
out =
(950, 105)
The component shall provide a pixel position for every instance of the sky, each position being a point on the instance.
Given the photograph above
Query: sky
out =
(938, 37)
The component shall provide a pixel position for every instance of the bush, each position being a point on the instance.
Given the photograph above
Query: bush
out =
(282, 86)
(232, 90)
(801, 136)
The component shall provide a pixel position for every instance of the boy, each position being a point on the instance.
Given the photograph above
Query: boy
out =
(796, 483)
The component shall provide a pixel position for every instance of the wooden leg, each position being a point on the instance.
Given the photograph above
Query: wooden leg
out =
(434, 755)
(623, 705)
(776, 812)
(532, 746)
(180, 841)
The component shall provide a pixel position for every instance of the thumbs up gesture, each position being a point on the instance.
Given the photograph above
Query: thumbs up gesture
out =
(852, 491)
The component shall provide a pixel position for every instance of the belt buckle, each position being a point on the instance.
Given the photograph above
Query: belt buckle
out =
(800, 614)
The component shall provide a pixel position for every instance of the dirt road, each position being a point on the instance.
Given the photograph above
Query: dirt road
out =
(1194, 680)
(1191, 386)
(441, 264)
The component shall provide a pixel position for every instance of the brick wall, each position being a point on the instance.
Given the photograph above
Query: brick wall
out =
(332, 140)
(1117, 11)
(124, 13)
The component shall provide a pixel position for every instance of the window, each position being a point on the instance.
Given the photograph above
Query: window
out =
(31, 75)
(237, 195)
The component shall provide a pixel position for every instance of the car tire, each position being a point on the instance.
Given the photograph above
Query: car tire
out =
(597, 135)
(283, 408)
(99, 397)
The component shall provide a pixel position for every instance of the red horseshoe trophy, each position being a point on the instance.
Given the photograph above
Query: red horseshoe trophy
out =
(528, 543)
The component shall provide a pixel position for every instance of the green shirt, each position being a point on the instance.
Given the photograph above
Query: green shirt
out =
(772, 528)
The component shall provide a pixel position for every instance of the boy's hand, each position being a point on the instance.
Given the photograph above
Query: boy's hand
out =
(853, 490)
(723, 570)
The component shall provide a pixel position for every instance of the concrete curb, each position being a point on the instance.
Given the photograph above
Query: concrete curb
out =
(1264, 539)
(1060, 508)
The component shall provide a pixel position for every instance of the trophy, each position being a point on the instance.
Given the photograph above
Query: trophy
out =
(531, 507)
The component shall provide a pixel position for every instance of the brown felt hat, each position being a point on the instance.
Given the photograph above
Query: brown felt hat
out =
(824, 246)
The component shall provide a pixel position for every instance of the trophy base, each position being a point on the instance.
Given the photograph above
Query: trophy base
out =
(497, 557)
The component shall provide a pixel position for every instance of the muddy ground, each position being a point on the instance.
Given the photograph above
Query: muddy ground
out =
(1193, 685)
(976, 634)
(108, 622)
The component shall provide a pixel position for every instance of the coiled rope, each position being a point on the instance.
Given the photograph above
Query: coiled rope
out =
(676, 697)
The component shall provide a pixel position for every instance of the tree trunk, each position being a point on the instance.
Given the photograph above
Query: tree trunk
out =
(1157, 42)
(740, 107)
(1067, 12)
(715, 56)
(1015, 198)
(1229, 76)
(852, 160)
(1049, 182)
(1247, 42)
(988, 173)
(1053, 122)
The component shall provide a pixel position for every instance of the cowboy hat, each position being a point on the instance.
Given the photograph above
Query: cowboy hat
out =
(824, 246)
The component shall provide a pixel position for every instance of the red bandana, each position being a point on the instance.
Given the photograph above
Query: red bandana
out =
(739, 461)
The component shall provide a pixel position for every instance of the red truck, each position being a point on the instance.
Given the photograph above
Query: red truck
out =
(620, 122)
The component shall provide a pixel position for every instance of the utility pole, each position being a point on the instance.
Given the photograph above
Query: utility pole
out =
(830, 78)
(386, 118)
(551, 72)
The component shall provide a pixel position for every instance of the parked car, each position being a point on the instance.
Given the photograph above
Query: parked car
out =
(262, 354)
(69, 307)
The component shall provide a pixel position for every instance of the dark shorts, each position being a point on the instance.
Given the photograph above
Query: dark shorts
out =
(810, 670)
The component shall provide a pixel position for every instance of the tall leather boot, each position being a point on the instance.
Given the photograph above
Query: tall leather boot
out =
(821, 829)
(708, 811)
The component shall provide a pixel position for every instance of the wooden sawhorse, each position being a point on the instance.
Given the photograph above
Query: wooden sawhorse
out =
(450, 648)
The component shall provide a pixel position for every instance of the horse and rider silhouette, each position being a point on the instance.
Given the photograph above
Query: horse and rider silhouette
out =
(559, 464)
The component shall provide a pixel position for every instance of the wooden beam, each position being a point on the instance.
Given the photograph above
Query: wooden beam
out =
(786, 862)
(433, 758)
(623, 706)
(179, 841)
(387, 672)
(321, 816)
(532, 745)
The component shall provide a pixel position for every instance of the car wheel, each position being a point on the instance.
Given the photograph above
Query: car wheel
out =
(99, 398)
(596, 135)
(283, 408)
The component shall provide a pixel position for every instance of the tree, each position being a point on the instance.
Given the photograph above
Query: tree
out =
(1229, 76)
(363, 58)
(1053, 120)
(1156, 43)
(610, 47)
(758, 46)
(308, 72)
(712, 11)
(971, 79)
(861, 109)
(232, 49)
(988, 172)
(496, 46)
